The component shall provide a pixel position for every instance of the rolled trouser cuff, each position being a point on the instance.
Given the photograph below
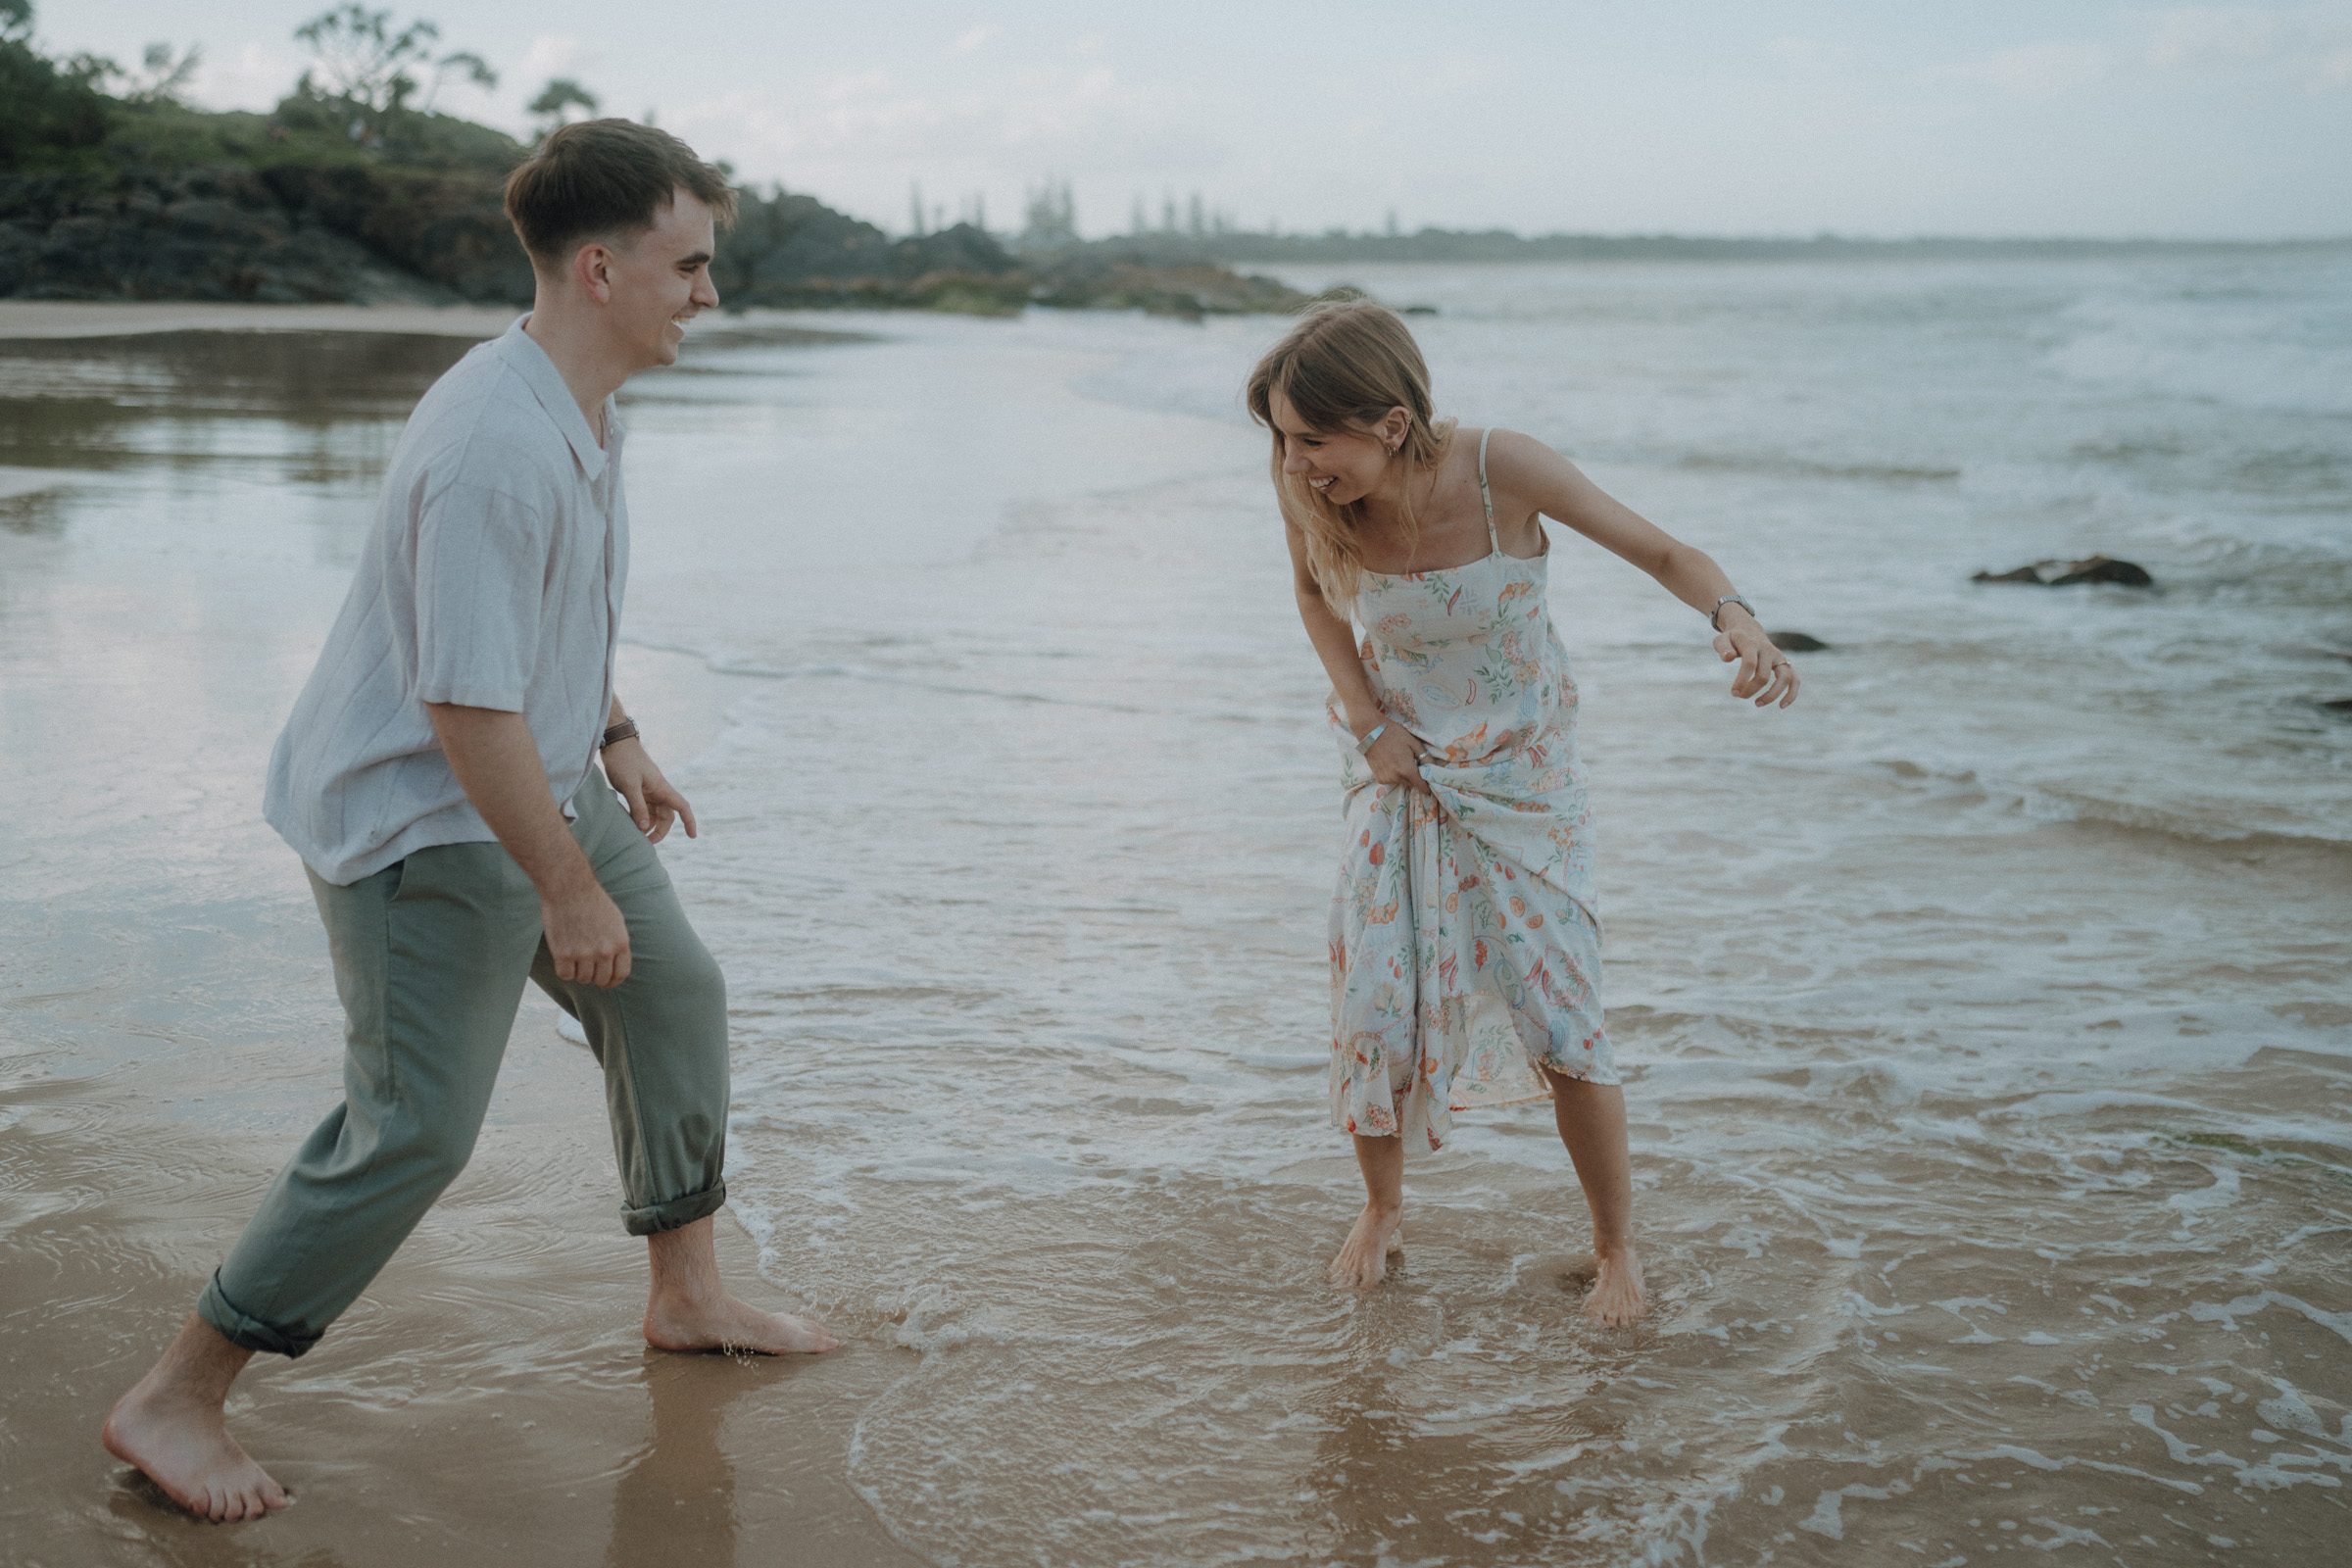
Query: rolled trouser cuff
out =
(245, 1331)
(658, 1217)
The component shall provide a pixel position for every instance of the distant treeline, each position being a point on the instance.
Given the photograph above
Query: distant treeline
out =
(1164, 248)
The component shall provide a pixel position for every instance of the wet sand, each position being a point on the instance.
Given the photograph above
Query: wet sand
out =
(489, 1398)
(1990, 1181)
(168, 1030)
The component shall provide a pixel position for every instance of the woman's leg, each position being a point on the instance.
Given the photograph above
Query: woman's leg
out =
(1364, 1261)
(1592, 1122)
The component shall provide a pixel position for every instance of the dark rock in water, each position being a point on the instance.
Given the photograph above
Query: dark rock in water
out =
(2339, 704)
(1797, 642)
(2067, 574)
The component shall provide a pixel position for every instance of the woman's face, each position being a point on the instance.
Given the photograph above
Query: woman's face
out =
(1341, 466)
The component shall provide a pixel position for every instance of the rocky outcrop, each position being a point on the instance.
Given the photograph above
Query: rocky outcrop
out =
(447, 227)
(1087, 280)
(1797, 642)
(2067, 574)
(204, 235)
(791, 250)
(362, 230)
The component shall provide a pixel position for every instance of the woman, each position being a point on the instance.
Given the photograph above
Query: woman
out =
(1465, 935)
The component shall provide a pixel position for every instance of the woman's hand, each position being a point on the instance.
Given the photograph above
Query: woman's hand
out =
(1763, 668)
(1396, 756)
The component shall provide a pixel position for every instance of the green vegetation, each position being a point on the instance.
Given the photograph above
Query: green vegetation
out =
(50, 110)
(356, 188)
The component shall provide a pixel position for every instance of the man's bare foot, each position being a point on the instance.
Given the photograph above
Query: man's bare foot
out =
(1617, 1300)
(184, 1448)
(1363, 1260)
(727, 1324)
(687, 1308)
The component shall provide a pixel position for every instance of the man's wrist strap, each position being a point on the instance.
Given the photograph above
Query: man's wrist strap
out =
(625, 730)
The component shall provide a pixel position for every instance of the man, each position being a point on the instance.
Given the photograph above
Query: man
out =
(436, 777)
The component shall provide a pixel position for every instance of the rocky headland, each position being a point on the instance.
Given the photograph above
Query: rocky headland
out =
(105, 198)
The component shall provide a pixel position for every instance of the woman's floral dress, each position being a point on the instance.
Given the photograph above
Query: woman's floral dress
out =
(1466, 934)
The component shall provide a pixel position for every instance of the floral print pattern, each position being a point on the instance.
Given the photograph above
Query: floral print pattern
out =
(1466, 934)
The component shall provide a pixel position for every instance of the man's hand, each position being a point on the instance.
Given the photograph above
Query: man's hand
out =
(653, 803)
(497, 763)
(586, 935)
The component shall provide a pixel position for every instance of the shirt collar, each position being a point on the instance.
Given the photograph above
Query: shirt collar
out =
(529, 361)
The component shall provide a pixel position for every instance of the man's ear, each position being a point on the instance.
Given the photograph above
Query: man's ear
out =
(592, 270)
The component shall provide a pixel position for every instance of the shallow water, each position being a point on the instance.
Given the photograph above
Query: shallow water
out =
(1984, 1015)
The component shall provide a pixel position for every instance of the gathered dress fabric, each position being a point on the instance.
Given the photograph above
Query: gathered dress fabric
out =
(1465, 931)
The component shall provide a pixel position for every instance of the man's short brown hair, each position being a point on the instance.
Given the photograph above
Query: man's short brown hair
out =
(605, 178)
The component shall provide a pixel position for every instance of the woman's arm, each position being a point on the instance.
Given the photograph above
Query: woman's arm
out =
(1525, 471)
(1396, 756)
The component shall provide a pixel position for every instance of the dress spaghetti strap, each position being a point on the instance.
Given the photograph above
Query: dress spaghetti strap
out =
(1485, 497)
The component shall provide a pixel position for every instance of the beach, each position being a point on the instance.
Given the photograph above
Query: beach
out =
(1987, 1043)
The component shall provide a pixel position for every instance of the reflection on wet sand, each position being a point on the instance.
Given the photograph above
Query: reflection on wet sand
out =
(1385, 1487)
(676, 1500)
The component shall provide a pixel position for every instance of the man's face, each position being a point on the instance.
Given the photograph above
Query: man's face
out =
(659, 281)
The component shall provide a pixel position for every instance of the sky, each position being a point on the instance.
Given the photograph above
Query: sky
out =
(1883, 117)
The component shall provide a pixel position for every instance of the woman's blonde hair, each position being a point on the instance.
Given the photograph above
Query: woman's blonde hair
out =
(1344, 368)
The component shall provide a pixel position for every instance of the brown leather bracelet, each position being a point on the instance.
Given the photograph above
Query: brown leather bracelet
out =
(625, 730)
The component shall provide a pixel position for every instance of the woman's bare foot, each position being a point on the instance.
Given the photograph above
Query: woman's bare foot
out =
(727, 1324)
(169, 1425)
(1363, 1261)
(1617, 1300)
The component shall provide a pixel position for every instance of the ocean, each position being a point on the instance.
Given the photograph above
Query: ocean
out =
(1984, 1017)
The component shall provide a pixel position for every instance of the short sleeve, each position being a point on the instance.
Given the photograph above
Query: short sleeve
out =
(482, 560)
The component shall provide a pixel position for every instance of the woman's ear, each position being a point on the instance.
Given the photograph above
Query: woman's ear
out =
(1395, 426)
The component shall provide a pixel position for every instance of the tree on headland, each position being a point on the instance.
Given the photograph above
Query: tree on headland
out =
(48, 108)
(164, 74)
(1052, 216)
(557, 100)
(360, 60)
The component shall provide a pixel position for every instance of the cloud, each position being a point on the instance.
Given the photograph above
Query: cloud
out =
(2195, 35)
(976, 37)
(255, 79)
(2042, 69)
(1811, 54)
(2310, 48)
(558, 54)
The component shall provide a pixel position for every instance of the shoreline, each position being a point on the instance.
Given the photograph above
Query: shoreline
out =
(62, 321)
(83, 319)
